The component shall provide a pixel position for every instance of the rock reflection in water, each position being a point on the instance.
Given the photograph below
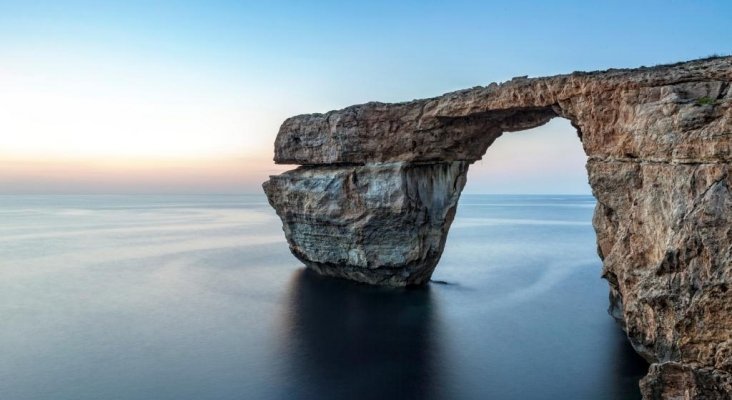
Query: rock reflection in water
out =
(348, 340)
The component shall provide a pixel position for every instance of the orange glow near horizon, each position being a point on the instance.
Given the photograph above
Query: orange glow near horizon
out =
(99, 128)
(65, 175)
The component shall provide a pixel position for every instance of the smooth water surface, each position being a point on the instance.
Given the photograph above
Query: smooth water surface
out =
(198, 297)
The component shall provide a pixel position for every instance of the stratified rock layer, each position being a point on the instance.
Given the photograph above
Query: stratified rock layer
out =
(384, 224)
(380, 182)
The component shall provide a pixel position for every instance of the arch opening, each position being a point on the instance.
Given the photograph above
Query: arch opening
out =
(547, 159)
(523, 244)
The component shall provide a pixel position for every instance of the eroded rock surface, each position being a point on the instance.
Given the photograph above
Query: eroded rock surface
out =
(380, 182)
(384, 223)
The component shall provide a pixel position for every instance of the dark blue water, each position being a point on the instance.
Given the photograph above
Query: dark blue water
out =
(197, 297)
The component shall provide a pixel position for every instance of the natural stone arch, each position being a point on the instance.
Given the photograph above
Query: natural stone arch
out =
(379, 183)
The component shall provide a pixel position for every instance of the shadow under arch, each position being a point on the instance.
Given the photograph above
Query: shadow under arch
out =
(348, 340)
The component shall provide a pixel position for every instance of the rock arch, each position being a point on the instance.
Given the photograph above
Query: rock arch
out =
(378, 185)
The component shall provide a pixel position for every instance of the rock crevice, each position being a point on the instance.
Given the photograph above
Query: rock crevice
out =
(379, 185)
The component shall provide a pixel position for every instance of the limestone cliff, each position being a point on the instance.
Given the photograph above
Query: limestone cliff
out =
(379, 184)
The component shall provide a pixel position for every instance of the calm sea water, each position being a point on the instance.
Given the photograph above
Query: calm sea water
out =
(198, 297)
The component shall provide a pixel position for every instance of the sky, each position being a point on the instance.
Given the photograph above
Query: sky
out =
(187, 96)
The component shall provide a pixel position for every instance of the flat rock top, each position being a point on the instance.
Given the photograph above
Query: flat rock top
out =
(385, 132)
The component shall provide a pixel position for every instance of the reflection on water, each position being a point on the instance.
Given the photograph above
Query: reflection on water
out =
(198, 297)
(347, 341)
(344, 340)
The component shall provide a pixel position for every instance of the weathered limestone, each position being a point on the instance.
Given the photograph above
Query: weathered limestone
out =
(382, 223)
(379, 184)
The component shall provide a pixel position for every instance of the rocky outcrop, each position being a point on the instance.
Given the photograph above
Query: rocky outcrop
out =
(379, 183)
(380, 223)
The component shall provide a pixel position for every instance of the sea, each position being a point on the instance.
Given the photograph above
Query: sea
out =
(197, 297)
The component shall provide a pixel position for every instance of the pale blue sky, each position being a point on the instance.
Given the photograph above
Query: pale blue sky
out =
(187, 96)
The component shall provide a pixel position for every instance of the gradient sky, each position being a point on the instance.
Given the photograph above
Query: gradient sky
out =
(187, 97)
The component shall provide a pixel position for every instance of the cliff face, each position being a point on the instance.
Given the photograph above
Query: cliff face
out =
(379, 185)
